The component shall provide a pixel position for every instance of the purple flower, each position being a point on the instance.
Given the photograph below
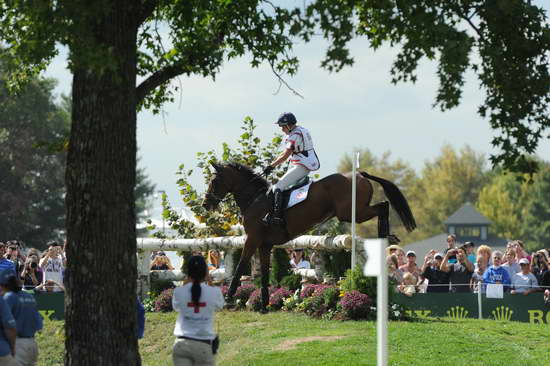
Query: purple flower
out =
(355, 304)
(243, 292)
(278, 296)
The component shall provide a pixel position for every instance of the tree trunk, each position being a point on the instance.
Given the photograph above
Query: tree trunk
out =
(100, 309)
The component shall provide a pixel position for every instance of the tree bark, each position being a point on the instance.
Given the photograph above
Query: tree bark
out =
(100, 305)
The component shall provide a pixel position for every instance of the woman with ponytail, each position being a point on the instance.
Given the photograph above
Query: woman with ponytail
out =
(196, 302)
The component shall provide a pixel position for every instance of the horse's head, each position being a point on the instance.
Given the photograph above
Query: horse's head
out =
(217, 189)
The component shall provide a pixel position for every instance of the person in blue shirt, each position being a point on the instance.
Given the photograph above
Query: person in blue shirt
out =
(8, 334)
(496, 273)
(140, 323)
(5, 263)
(23, 308)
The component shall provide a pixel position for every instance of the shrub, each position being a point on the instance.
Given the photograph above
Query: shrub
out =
(158, 286)
(307, 291)
(356, 280)
(224, 289)
(292, 281)
(255, 300)
(280, 266)
(290, 303)
(278, 296)
(355, 305)
(310, 305)
(330, 296)
(149, 303)
(164, 301)
(243, 294)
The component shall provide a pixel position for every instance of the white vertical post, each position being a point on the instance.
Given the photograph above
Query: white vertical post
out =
(479, 302)
(355, 165)
(382, 307)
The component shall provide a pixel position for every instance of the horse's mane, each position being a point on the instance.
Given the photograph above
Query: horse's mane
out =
(252, 177)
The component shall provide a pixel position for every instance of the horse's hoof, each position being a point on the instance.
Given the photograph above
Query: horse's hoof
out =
(392, 239)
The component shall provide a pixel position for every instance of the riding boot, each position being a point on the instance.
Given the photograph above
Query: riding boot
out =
(277, 216)
(277, 208)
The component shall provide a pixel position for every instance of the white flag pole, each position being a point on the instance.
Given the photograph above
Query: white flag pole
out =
(355, 165)
(375, 266)
(382, 307)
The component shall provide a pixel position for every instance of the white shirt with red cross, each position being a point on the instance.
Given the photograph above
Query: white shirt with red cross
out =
(196, 320)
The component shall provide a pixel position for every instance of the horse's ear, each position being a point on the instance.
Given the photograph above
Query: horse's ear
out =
(217, 167)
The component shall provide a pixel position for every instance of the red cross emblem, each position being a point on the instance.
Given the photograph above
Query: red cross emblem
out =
(196, 306)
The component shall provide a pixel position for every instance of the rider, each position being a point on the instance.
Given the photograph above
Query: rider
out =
(299, 147)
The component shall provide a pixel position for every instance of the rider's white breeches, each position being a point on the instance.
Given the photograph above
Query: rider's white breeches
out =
(294, 174)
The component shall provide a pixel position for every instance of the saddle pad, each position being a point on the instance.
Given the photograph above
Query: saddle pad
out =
(298, 195)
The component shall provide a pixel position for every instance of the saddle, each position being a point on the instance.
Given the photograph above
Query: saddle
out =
(288, 193)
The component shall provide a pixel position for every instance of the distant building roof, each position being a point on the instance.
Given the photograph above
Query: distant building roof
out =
(467, 215)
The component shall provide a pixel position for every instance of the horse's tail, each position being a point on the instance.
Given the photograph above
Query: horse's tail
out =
(397, 200)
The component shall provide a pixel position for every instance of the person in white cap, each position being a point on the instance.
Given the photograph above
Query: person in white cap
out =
(524, 282)
(410, 266)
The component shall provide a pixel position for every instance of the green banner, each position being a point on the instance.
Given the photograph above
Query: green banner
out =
(529, 308)
(51, 304)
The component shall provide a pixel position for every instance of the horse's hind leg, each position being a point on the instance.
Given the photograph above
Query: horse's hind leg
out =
(380, 210)
(265, 254)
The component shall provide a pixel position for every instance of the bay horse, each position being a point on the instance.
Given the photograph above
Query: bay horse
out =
(327, 198)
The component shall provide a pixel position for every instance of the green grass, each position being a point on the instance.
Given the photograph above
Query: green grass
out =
(253, 339)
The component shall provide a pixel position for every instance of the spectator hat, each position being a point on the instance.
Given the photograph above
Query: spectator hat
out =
(524, 261)
(5, 276)
(411, 253)
(438, 255)
(299, 249)
(469, 244)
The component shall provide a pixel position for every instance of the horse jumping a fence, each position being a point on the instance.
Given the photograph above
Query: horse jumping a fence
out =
(327, 198)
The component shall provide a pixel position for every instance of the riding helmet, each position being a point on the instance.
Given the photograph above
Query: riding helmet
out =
(286, 119)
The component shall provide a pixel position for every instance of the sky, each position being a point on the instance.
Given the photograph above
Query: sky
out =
(358, 107)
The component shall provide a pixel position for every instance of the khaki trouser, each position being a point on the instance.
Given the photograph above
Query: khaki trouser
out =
(7, 361)
(187, 352)
(26, 352)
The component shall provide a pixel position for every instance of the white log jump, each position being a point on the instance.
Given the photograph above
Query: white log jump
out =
(227, 243)
(237, 242)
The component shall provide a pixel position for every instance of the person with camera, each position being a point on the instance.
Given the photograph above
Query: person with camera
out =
(23, 308)
(438, 280)
(460, 272)
(14, 255)
(196, 301)
(31, 275)
(52, 264)
(539, 265)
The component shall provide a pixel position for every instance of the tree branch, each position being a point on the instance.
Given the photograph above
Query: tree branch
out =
(156, 79)
(282, 82)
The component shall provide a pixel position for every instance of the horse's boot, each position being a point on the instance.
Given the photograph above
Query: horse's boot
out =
(275, 218)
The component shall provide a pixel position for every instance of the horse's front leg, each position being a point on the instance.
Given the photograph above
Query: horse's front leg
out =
(265, 258)
(250, 247)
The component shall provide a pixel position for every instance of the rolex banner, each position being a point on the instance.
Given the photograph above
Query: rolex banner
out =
(530, 308)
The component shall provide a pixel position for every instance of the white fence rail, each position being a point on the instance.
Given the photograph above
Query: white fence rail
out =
(227, 244)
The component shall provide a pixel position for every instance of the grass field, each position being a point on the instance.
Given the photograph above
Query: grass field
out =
(294, 339)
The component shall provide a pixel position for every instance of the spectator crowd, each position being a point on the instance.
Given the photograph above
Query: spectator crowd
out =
(39, 271)
(465, 268)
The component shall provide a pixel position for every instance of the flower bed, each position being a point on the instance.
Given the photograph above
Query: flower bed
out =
(351, 300)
